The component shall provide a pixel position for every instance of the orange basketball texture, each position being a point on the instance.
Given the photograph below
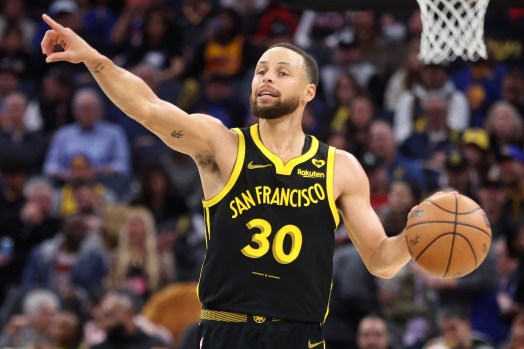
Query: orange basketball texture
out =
(448, 235)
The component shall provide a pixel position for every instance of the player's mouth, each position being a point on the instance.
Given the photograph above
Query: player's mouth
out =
(267, 93)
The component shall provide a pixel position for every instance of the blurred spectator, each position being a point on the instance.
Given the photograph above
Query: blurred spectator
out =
(81, 175)
(15, 139)
(512, 89)
(317, 30)
(475, 293)
(430, 143)
(504, 125)
(276, 23)
(353, 296)
(103, 143)
(409, 116)
(161, 45)
(226, 50)
(357, 127)
(481, 83)
(67, 263)
(456, 332)
(220, 100)
(116, 319)
(476, 149)
(492, 198)
(193, 19)
(379, 180)
(98, 20)
(346, 90)
(516, 335)
(31, 329)
(9, 82)
(51, 108)
(511, 166)
(348, 58)
(507, 266)
(457, 174)
(12, 180)
(128, 30)
(402, 197)
(404, 78)
(141, 263)
(158, 195)
(65, 331)
(14, 11)
(407, 305)
(15, 54)
(373, 333)
(382, 145)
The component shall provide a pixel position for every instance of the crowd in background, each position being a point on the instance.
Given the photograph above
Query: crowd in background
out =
(101, 229)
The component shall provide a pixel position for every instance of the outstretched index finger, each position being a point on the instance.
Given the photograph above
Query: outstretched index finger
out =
(52, 23)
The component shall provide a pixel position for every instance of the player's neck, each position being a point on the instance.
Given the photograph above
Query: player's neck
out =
(284, 137)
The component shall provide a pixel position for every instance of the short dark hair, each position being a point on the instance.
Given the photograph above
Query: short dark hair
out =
(310, 63)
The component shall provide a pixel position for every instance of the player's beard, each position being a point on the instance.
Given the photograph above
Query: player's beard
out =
(276, 110)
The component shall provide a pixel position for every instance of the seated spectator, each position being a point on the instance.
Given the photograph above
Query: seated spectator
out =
(456, 332)
(346, 89)
(69, 263)
(117, 320)
(382, 145)
(103, 143)
(504, 125)
(141, 263)
(31, 328)
(373, 333)
(159, 196)
(511, 164)
(512, 89)
(476, 149)
(15, 139)
(402, 197)
(434, 79)
(65, 331)
(81, 174)
(458, 174)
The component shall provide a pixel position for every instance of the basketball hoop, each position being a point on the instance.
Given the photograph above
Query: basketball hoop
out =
(452, 29)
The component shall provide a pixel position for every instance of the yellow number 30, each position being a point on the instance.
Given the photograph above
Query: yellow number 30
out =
(263, 245)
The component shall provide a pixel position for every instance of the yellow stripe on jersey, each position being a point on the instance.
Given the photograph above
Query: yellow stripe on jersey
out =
(241, 153)
(280, 167)
(330, 178)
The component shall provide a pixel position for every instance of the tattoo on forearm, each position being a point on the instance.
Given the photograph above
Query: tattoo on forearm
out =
(177, 134)
(98, 68)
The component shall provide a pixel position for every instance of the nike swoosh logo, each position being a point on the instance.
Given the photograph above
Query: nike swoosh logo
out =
(252, 166)
(312, 345)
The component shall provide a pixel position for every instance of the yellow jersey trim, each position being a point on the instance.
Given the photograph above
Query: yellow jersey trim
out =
(330, 181)
(280, 167)
(241, 153)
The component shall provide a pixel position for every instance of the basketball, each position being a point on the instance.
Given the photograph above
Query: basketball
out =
(448, 235)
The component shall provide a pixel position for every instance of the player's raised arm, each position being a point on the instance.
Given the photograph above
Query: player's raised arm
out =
(383, 256)
(196, 135)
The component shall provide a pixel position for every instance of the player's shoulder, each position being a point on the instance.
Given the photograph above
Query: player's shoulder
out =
(345, 161)
(349, 174)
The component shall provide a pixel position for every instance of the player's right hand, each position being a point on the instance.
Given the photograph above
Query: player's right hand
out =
(75, 49)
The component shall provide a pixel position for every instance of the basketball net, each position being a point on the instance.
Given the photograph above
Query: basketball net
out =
(452, 29)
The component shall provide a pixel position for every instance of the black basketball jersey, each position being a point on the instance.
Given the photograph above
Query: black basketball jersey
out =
(269, 234)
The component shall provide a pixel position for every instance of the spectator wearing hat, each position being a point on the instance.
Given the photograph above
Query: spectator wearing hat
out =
(512, 89)
(458, 173)
(511, 164)
(475, 147)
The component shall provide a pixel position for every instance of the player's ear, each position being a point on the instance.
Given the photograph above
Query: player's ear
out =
(311, 91)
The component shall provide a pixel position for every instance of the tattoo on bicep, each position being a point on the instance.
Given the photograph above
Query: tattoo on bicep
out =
(98, 68)
(177, 134)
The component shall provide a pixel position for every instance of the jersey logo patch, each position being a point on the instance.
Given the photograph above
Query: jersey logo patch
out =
(312, 345)
(318, 163)
(252, 166)
(259, 319)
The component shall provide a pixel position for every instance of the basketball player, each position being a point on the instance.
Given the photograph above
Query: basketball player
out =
(272, 199)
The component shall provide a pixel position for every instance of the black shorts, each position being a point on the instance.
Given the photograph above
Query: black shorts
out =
(254, 335)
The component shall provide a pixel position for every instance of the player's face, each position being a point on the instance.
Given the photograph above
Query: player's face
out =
(279, 84)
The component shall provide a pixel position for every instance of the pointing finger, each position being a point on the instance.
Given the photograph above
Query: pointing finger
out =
(52, 23)
(48, 42)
